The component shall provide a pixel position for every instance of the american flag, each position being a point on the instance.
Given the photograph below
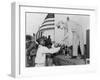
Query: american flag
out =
(47, 24)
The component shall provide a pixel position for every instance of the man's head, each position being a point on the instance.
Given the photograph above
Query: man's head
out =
(49, 36)
(60, 24)
(41, 41)
(68, 19)
(34, 34)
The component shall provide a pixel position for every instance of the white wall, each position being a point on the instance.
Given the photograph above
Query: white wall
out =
(33, 22)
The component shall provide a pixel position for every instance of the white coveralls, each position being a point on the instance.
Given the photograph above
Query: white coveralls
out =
(75, 37)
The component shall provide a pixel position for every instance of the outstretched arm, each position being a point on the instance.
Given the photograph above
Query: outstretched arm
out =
(52, 50)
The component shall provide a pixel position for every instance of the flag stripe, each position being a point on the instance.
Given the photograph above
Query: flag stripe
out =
(47, 28)
(48, 21)
(47, 24)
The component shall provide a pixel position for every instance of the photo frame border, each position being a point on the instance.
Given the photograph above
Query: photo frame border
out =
(15, 25)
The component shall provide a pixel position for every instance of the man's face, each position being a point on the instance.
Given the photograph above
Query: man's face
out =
(42, 42)
(60, 24)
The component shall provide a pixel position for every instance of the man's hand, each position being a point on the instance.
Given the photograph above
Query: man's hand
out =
(55, 45)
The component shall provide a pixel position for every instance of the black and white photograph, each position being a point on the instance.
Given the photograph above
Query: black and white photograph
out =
(56, 39)
(49, 41)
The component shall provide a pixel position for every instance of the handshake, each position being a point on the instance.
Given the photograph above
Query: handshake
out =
(55, 45)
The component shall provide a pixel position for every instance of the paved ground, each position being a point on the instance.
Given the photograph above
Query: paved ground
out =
(63, 60)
